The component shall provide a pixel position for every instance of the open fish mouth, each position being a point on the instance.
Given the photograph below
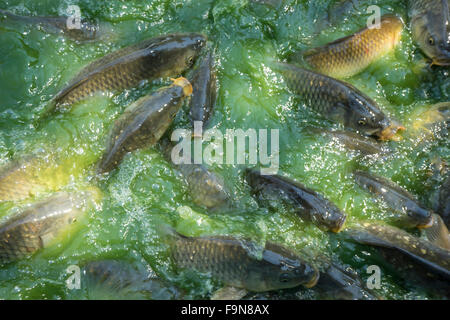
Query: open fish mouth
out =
(427, 225)
(340, 225)
(390, 132)
(313, 282)
(444, 62)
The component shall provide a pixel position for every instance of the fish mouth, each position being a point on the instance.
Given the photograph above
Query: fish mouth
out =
(340, 225)
(445, 62)
(313, 282)
(427, 225)
(390, 132)
(185, 84)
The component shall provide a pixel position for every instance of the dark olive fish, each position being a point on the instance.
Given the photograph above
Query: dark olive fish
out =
(206, 188)
(144, 123)
(87, 31)
(438, 233)
(309, 204)
(397, 198)
(354, 141)
(204, 91)
(430, 25)
(413, 257)
(339, 283)
(118, 280)
(339, 101)
(237, 262)
(348, 56)
(37, 226)
(158, 57)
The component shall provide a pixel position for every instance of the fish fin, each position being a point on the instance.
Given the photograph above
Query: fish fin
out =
(229, 293)
(46, 239)
(438, 233)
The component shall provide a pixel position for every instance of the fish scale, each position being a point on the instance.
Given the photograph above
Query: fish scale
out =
(153, 58)
(29, 231)
(143, 123)
(338, 101)
(242, 263)
(217, 256)
(350, 55)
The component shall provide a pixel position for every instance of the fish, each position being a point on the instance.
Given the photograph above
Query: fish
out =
(119, 280)
(337, 282)
(435, 119)
(86, 32)
(349, 56)
(144, 122)
(241, 263)
(414, 258)
(413, 214)
(438, 233)
(339, 101)
(26, 177)
(37, 226)
(353, 141)
(164, 56)
(206, 188)
(307, 203)
(204, 91)
(20, 180)
(430, 26)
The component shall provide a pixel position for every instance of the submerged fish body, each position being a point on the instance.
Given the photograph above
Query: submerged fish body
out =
(158, 57)
(415, 258)
(37, 226)
(86, 31)
(436, 119)
(430, 25)
(204, 91)
(350, 55)
(117, 280)
(309, 204)
(415, 215)
(205, 187)
(356, 142)
(338, 283)
(236, 263)
(338, 101)
(144, 123)
(19, 180)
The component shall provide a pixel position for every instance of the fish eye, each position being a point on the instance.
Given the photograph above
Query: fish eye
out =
(190, 60)
(284, 277)
(431, 41)
(362, 121)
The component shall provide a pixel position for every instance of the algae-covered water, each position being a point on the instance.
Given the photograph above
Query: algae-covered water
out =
(146, 191)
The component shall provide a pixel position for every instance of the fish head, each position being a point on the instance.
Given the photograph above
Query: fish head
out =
(365, 116)
(332, 219)
(433, 36)
(184, 51)
(419, 217)
(280, 268)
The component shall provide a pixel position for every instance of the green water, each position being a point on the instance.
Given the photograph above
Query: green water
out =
(146, 190)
